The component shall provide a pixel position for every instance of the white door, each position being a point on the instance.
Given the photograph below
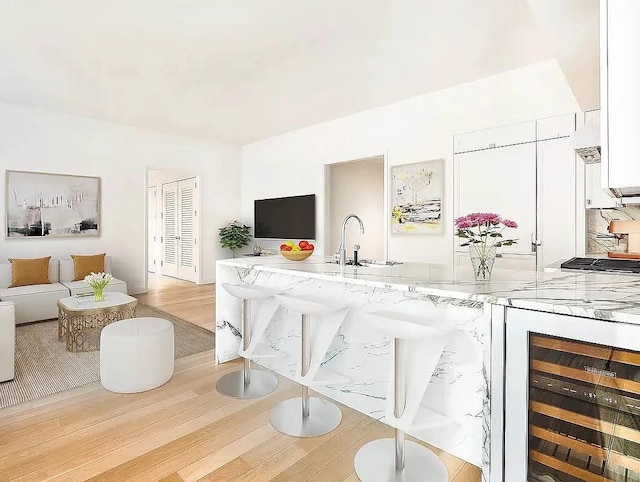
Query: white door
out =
(180, 231)
(187, 236)
(557, 201)
(152, 230)
(170, 229)
(502, 181)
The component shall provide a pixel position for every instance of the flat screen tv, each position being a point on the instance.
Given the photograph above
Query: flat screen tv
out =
(291, 217)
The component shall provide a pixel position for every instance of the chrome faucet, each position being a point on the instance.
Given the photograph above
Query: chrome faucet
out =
(342, 251)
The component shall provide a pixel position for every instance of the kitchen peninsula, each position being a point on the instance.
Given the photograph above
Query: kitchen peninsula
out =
(469, 377)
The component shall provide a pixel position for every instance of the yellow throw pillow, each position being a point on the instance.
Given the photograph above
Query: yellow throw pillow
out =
(84, 265)
(25, 272)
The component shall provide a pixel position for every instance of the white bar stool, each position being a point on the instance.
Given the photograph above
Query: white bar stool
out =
(248, 383)
(416, 350)
(306, 416)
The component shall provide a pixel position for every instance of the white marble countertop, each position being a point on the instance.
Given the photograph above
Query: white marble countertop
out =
(606, 296)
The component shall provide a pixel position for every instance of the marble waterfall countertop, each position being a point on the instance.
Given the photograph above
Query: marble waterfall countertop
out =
(605, 296)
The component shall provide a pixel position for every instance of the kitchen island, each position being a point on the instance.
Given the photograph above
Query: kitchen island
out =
(462, 392)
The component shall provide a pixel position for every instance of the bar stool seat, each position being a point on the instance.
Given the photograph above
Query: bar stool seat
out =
(248, 383)
(417, 345)
(306, 416)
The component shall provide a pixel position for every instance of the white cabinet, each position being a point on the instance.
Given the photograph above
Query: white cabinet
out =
(501, 181)
(495, 137)
(555, 127)
(594, 195)
(532, 183)
(620, 95)
(556, 201)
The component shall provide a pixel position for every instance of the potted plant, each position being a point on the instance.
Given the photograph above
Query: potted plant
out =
(234, 236)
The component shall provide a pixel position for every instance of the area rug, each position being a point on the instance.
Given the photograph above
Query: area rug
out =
(44, 366)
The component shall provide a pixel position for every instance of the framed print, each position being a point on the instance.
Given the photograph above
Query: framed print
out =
(46, 205)
(416, 197)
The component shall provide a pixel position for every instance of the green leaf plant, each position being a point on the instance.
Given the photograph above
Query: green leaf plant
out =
(234, 236)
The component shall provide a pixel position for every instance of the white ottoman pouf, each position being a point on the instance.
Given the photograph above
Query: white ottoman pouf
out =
(136, 354)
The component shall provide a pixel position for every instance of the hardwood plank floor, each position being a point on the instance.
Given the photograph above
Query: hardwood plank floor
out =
(183, 431)
(189, 301)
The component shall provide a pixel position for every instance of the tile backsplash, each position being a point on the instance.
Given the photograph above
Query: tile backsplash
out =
(599, 241)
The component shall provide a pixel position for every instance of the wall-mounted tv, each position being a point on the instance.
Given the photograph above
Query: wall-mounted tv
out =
(291, 217)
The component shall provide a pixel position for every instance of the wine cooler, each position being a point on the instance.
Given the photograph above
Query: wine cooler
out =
(573, 394)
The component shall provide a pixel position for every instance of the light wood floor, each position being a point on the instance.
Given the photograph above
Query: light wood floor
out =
(189, 301)
(182, 431)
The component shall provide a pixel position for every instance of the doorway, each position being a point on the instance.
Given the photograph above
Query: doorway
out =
(356, 187)
(173, 231)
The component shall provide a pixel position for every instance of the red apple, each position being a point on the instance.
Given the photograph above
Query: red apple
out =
(282, 247)
(303, 244)
(309, 247)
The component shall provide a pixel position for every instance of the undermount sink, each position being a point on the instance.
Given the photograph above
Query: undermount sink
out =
(378, 264)
(368, 263)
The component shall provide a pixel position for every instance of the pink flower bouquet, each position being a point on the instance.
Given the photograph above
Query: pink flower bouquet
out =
(484, 228)
(483, 234)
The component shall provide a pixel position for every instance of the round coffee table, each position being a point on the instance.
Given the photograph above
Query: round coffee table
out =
(80, 319)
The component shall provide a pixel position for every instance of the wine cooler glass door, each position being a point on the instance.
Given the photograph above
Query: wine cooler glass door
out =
(572, 399)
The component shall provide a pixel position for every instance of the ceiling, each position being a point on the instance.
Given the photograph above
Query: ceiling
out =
(243, 70)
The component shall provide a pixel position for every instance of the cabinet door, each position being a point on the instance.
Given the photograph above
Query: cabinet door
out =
(555, 127)
(595, 196)
(556, 201)
(495, 137)
(501, 181)
(621, 99)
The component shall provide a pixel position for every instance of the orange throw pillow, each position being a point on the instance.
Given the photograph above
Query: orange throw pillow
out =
(84, 265)
(25, 272)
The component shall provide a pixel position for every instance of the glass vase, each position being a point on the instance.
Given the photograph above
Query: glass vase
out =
(98, 294)
(482, 259)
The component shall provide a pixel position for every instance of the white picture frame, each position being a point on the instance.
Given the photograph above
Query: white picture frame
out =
(47, 205)
(417, 197)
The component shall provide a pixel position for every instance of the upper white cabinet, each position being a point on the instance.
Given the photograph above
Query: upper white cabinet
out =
(495, 137)
(595, 196)
(620, 95)
(555, 127)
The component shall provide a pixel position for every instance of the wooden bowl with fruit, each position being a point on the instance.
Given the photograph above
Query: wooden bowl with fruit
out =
(296, 252)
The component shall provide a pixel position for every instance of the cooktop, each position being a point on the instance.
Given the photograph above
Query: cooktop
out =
(603, 264)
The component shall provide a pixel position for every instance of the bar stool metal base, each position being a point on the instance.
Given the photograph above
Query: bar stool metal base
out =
(376, 462)
(261, 384)
(324, 416)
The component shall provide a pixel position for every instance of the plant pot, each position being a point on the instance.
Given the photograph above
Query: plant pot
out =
(482, 259)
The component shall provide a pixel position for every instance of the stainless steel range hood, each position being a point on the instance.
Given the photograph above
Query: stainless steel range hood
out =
(586, 142)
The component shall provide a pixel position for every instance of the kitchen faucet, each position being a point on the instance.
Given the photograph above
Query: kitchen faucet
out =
(342, 248)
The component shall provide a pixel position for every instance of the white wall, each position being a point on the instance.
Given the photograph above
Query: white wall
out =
(413, 130)
(357, 187)
(36, 140)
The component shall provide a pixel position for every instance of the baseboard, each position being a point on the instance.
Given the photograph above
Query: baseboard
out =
(207, 281)
(137, 291)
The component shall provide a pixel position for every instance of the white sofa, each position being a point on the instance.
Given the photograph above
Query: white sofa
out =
(7, 341)
(40, 302)
(81, 287)
(34, 302)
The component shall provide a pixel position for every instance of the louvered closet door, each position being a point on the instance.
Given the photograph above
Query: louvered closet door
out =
(170, 232)
(187, 216)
